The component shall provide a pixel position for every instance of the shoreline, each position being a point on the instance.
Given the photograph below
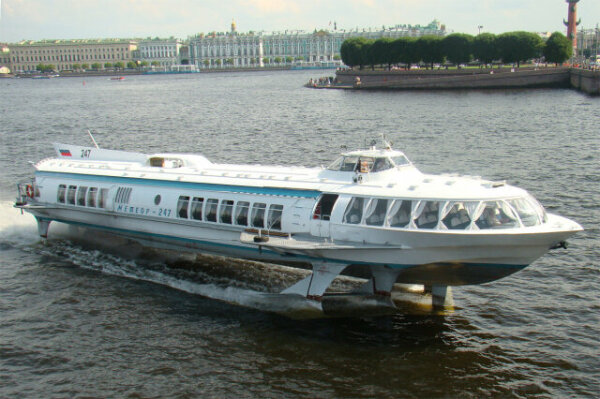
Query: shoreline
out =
(466, 79)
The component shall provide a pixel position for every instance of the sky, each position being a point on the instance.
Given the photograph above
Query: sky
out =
(86, 19)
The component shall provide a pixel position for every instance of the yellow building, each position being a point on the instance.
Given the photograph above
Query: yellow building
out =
(65, 54)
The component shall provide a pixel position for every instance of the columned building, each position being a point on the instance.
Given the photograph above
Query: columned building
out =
(64, 54)
(160, 52)
(252, 49)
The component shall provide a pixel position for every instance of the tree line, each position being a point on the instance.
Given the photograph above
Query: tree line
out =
(456, 48)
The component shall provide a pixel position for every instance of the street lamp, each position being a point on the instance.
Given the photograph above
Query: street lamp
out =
(480, 27)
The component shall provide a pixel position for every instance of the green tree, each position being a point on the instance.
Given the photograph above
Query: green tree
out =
(352, 51)
(108, 65)
(85, 66)
(457, 48)
(206, 63)
(517, 47)
(119, 65)
(558, 48)
(404, 50)
(430, 49)
(155, 63)
(266, 61)
(484, 48)
(289, 60)
(144, 63)
(381, 52)
(218, 62)
(277, 60)
(131, 65)
(76, 66)
(96, 66)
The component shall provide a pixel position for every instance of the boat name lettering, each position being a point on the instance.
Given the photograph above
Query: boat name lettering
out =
(138, 210)
(85, 153)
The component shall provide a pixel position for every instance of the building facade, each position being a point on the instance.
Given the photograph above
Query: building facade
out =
(5, 62)
(163, 53)
(68, 54)
(251, 49)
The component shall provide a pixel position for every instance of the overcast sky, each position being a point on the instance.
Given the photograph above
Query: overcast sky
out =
(82, 19)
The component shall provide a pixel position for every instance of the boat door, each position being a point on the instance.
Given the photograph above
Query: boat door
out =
(319, 225)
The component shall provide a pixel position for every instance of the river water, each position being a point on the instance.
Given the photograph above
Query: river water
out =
(117, 320)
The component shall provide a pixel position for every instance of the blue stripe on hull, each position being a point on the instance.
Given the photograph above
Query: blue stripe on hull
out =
(286, 192)
(219, 247)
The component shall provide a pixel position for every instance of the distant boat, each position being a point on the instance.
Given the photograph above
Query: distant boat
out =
(46, 76)
(118, 78)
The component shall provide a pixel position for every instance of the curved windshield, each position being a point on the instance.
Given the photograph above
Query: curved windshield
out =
(400, 160)
(361, 164)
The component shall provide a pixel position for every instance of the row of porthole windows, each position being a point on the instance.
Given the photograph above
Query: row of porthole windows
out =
(82, 196)
(240, 213)
(453, 215)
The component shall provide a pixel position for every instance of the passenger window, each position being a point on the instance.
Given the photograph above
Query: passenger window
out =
(400, 213)
(71, 195)
(428, 219)
(196, 208)
(211, 209)
(241, 213)
(258, 215)
(226, 211)
(60, 196)
(102, 198)
(527, 213)
(375, 212)
(496, 215)
(353, 214)
(274, 218)
(457, 218)
(91, 197)
(81, 195)
(182, 207)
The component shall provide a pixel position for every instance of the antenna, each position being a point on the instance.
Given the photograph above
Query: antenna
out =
(92, 137)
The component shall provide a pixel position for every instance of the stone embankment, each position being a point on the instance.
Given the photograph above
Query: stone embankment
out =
(464, 79)
(585, 80)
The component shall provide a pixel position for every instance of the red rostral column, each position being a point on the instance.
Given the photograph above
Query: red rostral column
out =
(572, 23)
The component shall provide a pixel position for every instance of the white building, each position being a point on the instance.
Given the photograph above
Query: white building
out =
(252, 49)
(160, 52)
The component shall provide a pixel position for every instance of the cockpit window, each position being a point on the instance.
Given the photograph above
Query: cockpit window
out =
(382, 164)
(348, 164)
(400, 160)
(362, 164)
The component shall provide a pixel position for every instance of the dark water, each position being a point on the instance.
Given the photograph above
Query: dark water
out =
(77, 321)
